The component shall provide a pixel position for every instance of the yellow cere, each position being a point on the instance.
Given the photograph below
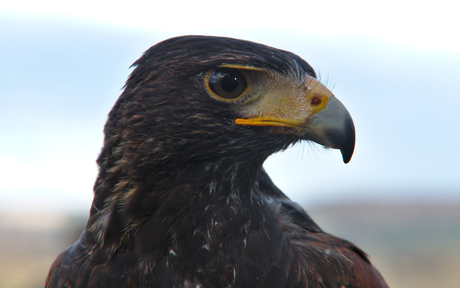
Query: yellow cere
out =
(283, 101)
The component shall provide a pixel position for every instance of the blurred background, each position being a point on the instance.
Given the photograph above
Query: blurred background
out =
(394, 64)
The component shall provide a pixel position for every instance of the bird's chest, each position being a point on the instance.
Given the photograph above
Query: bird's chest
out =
(221, 248)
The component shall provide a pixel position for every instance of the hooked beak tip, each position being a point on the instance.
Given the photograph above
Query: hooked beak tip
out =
(333, 127)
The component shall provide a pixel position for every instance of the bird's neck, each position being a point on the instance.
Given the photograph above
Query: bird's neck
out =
(199, 200)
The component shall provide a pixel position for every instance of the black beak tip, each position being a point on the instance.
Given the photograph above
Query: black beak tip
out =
(348, 144)
(344, 140)
(346, 154)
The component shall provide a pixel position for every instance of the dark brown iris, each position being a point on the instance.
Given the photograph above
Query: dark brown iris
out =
(227, 83)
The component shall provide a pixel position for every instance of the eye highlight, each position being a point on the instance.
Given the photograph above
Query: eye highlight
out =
(227, 83)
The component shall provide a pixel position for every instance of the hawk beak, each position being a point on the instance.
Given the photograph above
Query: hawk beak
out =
(311, 111)
(333, 127)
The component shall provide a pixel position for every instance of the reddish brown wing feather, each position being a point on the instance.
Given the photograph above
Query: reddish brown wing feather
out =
(324, 260)
(366, 274)
(328, 261)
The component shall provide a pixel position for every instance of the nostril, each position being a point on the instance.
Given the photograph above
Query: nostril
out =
(315, 101)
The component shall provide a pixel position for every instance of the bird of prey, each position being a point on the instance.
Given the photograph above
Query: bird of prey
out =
(182, 199)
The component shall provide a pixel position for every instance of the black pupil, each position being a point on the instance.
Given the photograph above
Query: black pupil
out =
(229, 83)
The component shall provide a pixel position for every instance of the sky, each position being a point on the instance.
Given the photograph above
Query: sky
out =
(394, 65)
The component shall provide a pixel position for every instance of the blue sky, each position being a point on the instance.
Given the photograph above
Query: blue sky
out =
(396, 70)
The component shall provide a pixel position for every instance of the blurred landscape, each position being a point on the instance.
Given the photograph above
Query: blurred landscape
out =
(413, 245)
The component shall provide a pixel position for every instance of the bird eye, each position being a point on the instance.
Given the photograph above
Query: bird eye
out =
(227, 83)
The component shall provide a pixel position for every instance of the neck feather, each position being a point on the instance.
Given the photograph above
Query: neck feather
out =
(132, 211)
